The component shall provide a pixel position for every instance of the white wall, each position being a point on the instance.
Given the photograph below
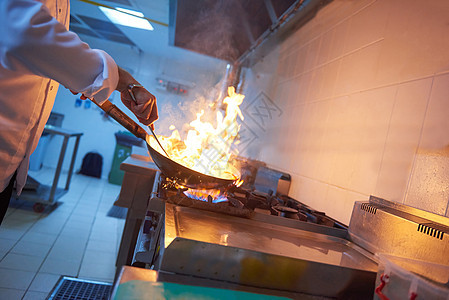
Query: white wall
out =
(98, 131)
(360, 105)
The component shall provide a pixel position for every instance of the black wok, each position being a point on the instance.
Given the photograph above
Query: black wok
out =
(171, 169)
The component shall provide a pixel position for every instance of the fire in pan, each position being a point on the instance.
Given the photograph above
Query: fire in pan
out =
(180, 174)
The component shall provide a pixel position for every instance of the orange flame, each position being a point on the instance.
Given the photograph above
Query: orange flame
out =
(207, 149)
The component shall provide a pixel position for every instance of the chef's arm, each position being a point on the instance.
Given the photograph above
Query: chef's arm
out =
(144, 103)
(34, 42)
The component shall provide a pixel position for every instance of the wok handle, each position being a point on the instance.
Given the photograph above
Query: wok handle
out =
(118, 115)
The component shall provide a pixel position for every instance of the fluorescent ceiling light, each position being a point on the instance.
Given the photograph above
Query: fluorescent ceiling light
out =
(127, 17)
(129, 11)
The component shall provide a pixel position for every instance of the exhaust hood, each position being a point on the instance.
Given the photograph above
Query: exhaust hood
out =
(238, 31)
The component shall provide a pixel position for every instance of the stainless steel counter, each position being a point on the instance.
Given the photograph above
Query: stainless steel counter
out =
(248, 252)
(383, 226)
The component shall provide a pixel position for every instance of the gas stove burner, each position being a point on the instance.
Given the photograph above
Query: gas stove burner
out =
(211, 196)
(257, 200)
(285, 211)
(226, 207)
(244, 202)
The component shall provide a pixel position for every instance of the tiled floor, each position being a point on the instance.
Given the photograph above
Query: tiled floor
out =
(74, 238)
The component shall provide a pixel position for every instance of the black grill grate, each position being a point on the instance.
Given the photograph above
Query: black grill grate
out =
(78, 289)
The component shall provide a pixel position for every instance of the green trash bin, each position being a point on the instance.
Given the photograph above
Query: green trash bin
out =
(125, 141)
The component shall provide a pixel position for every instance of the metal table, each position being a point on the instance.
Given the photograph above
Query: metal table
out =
(44, 194)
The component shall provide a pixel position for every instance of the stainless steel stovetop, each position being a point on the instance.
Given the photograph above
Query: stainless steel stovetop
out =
(261, 254)
(227, 245)
(246, 245)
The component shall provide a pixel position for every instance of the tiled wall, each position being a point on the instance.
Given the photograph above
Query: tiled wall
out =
(359, 101)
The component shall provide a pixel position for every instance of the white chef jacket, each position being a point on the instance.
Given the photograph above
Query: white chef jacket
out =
(37, 52)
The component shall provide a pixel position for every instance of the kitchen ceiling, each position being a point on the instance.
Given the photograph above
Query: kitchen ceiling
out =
(223, 29)
(92, 25)
(201, 33)
(238, 31)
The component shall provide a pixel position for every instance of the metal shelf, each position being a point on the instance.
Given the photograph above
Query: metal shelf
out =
(46, 194)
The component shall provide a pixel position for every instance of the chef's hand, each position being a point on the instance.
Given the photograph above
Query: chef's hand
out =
(144, 107)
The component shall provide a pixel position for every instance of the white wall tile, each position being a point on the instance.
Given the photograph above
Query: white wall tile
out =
(342, 139)
(415, 42)
(369, 64)
(304, 85)
(291, 95)
(358, 70)
(320, 169)
(367, 26)
(297, 160)
(429, 184)
(315, 84)
(291, 64)
(286, 142)
(326, 47)
(312, 141)
(403, 139)
(312, 55)
(333, 14)
(282, 68)
(338, 39)
(309, 138)
(328, 80)
(307, 33)
(294, 99)
(301, 57)
(280, 92)
(373, 128)
(302, 149)
(435, 134)
(335, 200)
(310, 192)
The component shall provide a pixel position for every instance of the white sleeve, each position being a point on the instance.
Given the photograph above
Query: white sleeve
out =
(32, 41)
